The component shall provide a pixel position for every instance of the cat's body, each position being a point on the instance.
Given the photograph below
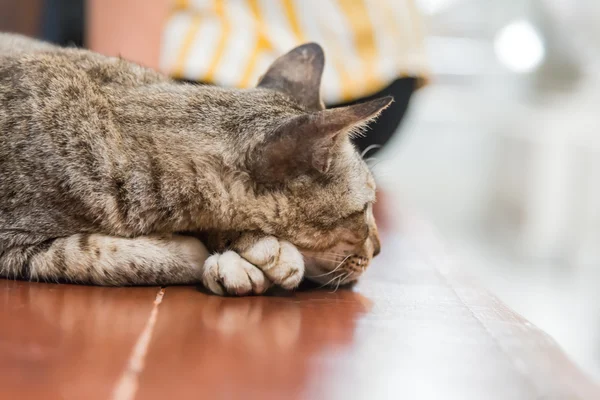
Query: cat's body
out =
(103, 163)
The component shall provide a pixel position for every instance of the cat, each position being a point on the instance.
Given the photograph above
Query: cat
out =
(114, 174)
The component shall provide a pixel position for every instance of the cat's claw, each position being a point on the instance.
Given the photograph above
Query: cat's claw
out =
(268, 260)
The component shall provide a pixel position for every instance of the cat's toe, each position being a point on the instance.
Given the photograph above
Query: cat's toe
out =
(288, 270)
(279, 260)
(210, 275)
(230, 273)
(264, 252)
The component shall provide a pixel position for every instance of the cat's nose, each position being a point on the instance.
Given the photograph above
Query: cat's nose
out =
(376, 243)
(377, 248)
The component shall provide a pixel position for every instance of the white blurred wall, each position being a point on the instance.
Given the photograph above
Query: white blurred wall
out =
(505, 162)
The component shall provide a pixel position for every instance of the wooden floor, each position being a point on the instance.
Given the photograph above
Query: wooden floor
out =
(413, 328)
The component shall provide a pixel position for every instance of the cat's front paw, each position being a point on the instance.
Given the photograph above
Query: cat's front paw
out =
(257, 264)
(229, 273)
(281, 261)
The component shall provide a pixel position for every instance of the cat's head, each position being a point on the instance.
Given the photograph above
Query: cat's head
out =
(320, 191)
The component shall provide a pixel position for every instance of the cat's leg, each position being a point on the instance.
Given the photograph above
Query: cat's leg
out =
(107, 260)
(252, 265)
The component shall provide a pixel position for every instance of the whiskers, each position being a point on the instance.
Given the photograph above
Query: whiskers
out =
(368, 149)
(330, 272)
(336, 280)
(338, 275)
(341, 278)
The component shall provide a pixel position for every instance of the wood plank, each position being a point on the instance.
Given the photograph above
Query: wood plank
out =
(67, 341)
(414, 327)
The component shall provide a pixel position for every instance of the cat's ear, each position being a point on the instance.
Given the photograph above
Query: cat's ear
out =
(298, 74)
(309, 141)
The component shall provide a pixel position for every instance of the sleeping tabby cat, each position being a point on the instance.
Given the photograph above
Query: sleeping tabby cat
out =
(113, 174)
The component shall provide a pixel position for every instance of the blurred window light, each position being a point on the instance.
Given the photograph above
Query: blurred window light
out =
(457, 56)
(434, 6)
(519, 47)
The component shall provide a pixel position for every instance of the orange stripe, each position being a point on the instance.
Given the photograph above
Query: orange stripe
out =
(290, 13)
(392, 30)
(347, 83)
(416, 25)
(263, 44)
(184, 52)
(417, 42)
(178, 6)
(364, 40)
(219, 7)
(181, 4)
(345, 79)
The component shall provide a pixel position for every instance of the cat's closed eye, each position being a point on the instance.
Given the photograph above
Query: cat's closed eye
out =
(356, 214)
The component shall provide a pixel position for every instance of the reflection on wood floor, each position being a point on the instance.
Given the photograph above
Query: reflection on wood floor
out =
(414, 327)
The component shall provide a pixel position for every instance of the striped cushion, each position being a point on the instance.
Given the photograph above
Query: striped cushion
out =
(368, 43)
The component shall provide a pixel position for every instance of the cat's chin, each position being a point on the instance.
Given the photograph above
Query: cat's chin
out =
(308, 285)
(332, 273)
(332, 283)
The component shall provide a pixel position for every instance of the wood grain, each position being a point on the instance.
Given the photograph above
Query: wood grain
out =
(413, 328)
(65, 341)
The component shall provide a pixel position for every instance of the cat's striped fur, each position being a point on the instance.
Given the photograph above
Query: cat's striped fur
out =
(109, 173)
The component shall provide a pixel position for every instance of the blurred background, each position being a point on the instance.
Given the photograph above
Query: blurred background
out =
(499, 150)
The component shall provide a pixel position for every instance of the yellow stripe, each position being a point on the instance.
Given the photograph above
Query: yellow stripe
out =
(290, 13)
(345, 79)
(392, 30)
(347, 84)
(184, 51)
(416, 25)
(424, 76)
(177, 6)
(364, 40)
(219, 7)
(263, 44)
(415, 43)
